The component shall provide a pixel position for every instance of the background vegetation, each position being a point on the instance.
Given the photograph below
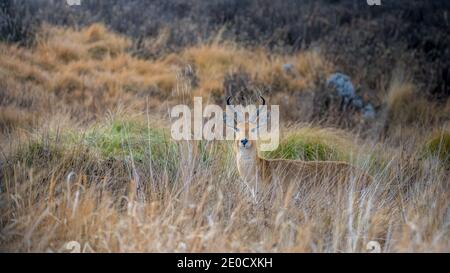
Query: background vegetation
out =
(86, 153)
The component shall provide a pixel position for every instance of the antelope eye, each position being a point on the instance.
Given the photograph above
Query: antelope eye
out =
(236, 129)
(254, 130)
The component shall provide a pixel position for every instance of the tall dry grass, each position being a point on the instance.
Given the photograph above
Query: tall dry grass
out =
(92, 70)
(61, 188)
(74, 168)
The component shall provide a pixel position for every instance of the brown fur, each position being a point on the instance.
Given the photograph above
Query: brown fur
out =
(258, 172)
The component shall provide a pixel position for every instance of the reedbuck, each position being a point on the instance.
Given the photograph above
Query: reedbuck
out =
(261, 175)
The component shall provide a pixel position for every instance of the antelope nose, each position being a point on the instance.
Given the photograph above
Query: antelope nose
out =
(244, 141)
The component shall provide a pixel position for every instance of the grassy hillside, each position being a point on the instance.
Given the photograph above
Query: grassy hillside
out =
(84, 123)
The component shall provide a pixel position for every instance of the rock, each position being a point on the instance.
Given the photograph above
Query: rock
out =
(357, 102)
(368, 111)
(343, 86)
(288, 68)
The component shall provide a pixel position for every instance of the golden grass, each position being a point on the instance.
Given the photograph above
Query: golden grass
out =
(66, 180)
(11, 117)
(407, 105)
(94, 68)
(85, 67)
(21, 71)
(59, 191)
(214, 61)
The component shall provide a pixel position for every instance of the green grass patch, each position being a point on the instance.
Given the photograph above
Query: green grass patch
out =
(311, 144)
(134, 140)
(438, 145)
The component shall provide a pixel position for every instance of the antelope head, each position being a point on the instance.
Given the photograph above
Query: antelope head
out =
(246, 126)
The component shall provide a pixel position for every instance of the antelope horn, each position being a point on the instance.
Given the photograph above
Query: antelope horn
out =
(229, 100)
(263, 100)
(264, 103)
